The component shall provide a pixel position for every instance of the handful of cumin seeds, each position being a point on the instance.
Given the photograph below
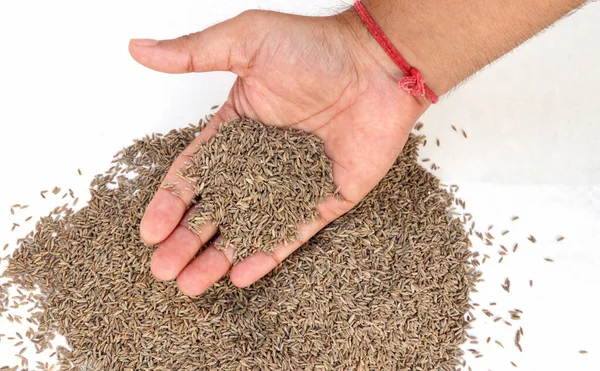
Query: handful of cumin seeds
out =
(258, 183)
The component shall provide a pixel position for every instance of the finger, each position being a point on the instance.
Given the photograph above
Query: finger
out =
(217, 48)
(166, 208)
(209, 267)
(255, 266)
(174, 253)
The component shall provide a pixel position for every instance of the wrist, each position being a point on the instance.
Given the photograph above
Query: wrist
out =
(414, 35)
(439, 82)
(371, 58)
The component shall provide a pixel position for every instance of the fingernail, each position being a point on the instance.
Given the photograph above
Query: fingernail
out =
(144, 42)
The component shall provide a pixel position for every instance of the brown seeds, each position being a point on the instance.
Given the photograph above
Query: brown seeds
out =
(236, 186)
(506, 285)
(583, 352)
(518, 335)
(357, 278)
(532, 239)
(464, 133)
(419, 126)
(560, 238)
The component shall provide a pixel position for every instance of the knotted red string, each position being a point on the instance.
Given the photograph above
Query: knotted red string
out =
(413, 82)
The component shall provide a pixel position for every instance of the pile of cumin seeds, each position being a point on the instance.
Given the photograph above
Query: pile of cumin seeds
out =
(384, 287)
(258, 183)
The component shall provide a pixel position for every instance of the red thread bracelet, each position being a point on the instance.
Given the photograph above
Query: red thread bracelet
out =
(413, 82)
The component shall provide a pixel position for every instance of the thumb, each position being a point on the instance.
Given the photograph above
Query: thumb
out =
(214, 49)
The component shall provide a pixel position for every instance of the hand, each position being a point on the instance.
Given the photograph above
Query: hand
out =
(324, 75)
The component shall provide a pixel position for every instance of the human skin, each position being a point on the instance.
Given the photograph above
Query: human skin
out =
(327, 76)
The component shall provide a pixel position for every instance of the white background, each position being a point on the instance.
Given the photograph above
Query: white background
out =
(71, 96)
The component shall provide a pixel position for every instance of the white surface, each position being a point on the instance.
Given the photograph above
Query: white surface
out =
(70, 97)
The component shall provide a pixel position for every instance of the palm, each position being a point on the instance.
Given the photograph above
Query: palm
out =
(303, 73)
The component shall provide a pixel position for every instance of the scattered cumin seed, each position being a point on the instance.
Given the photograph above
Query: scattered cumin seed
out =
(560, 238)
(583, 352)
(506, 285)
(532, 239)
(419, 126)
(169, 185)
(549, 260)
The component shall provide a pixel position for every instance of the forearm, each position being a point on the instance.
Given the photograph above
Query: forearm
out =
(450, 40)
